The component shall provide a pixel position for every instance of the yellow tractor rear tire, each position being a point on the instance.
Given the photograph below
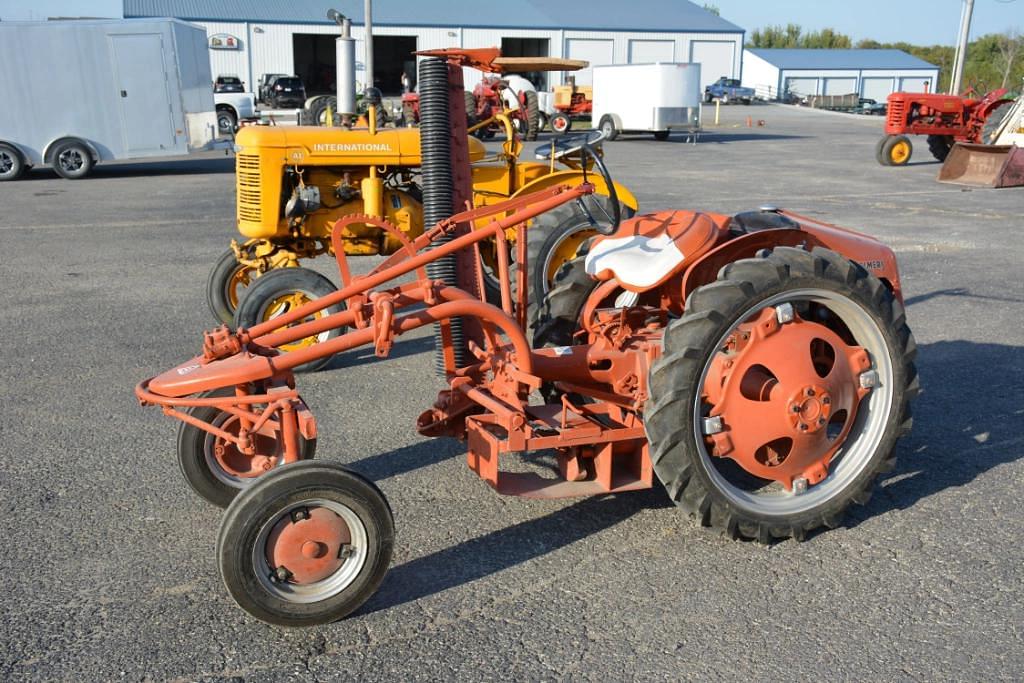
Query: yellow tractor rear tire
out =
(225, 285)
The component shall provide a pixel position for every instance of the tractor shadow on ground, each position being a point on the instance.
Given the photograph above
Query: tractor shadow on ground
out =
(505, 548)
(365, 354)
(408, 458)
(968, 419)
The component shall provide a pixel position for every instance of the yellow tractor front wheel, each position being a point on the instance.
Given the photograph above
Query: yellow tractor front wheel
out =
(895, 150)
(227, 281)
(282, 291)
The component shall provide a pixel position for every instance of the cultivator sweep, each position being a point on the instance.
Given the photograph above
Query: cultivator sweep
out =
(758, 365)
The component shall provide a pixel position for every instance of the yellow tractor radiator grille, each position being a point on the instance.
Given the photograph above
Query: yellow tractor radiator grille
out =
(247, 172)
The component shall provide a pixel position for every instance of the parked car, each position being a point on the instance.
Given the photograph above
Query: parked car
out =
(728, 90)
(287, 92)
(228, 84)
(265, 85)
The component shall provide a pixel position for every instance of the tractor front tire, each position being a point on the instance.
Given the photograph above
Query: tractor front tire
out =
(470, 100)
(560, 124)
(225, 285)
(819, 295)
(307, 544)
(896, 150)
(206, 470)
(939, 146)
(280, 291)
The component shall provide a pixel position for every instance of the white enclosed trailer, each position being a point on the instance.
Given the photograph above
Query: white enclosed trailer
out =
(655, 98)
(76, 93)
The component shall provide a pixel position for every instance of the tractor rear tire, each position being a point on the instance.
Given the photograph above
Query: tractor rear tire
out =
(554, 239)
(222, 286)
(199, 464)
(532, 115)
(558, 319)
(993, 121)
(717, 491)
(280, 291)
(939, 146)
(349, 520)
(470, 100)
(542, 122)
(896, 150)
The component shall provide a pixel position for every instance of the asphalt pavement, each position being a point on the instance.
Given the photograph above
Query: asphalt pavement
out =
(109, 572)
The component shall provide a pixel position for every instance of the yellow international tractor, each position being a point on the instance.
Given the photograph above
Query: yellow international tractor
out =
(294, 183)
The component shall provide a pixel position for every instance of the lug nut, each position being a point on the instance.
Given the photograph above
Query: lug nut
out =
(799, 485)
(784, 313)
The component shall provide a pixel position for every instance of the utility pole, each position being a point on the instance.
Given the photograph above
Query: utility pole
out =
(368, 43)
(961, 49)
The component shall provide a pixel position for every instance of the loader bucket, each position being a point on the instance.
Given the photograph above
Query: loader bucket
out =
(984, 166)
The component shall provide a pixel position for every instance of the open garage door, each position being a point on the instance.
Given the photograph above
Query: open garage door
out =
(801, 87)
(650, 51)
(528, 47)
(839, 86)
(877, 89)
(393, 55)
(314, 62)
(597, 52)
(715, 57)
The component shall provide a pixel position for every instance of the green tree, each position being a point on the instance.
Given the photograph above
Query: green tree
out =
(713, 9)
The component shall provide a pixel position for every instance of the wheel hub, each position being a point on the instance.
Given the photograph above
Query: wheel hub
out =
(783, 393)
(245, 466)
(308, 545)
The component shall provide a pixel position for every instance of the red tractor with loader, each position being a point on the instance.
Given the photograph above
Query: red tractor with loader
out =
(758, 365)
(945, 119)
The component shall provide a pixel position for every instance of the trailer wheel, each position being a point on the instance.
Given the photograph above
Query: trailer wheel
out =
(12, 164)
(939, 146)
(214, 467)
(781, 394)
(560, 124)
(225, 285)
(607, 126)
(896, 150)
(306, 544)
(72, 160)
(542, 122)
(993, 121)
(275, 293)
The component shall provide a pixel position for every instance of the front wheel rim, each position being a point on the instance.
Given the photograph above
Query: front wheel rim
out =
(858, 446)
(230, 466)
(900, 152)
(324, 541)
(288, 301)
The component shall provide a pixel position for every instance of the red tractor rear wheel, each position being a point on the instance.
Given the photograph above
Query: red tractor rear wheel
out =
(781, 394)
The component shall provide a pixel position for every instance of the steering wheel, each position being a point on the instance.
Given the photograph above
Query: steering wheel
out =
(568, 144)
(583, 143)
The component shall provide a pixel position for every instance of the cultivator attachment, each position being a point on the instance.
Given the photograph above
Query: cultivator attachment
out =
(984, 166)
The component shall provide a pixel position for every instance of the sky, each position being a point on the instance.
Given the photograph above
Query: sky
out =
(919, 22)
(922, 22)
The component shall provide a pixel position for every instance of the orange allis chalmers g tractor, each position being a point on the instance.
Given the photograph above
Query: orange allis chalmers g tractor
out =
(759, 365)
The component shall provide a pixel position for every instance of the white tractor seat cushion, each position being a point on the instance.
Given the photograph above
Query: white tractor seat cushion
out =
(636, 261)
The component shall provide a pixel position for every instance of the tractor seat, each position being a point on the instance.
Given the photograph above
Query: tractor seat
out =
(648, 249)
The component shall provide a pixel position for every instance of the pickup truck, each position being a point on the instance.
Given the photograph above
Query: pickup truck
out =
(728, 90)
(231, 107)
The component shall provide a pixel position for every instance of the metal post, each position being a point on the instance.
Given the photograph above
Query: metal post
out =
(961, 54)
(368, 58)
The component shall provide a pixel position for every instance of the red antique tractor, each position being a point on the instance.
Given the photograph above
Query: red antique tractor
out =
(510, 94)
(759, 365)
(945, 119)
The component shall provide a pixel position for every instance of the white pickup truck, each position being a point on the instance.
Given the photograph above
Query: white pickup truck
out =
(232, 107)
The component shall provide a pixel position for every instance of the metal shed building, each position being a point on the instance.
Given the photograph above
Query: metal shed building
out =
(249, 38)
(776, 73)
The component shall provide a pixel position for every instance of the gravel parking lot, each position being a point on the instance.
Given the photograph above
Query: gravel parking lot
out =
(109, 571)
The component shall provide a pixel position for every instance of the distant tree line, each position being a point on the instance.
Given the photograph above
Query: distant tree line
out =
(994, 61)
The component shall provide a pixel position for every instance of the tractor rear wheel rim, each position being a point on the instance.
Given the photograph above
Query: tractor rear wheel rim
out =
(855, 447)
(240, 279)
(289, 301)
(232, 467)
(310, 551)
(564, 250)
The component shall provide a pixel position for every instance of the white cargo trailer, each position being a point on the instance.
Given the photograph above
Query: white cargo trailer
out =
(655, 98)
(76, 93)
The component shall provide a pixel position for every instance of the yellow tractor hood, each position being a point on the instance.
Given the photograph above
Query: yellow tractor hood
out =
(310, 145)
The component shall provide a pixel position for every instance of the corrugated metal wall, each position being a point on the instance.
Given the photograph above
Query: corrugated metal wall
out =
(267, 48)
